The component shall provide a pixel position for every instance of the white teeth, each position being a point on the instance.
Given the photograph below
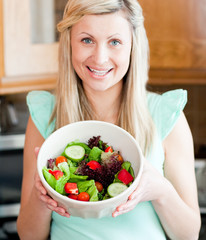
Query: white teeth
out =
(99, 73)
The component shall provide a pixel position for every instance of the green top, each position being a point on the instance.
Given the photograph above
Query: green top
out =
(141, 223)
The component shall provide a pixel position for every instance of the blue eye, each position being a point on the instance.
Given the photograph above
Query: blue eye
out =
(115, 42)
(87, 40)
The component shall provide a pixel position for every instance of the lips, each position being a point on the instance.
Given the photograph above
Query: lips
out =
(99, 72)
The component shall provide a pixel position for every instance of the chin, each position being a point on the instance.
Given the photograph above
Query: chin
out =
(99, 87)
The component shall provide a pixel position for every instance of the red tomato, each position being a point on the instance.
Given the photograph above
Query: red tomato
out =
(108, 149)
(73, 196)
(83, 196)
(99, 186)
(71, 188)
(60, 159)
(93, 164)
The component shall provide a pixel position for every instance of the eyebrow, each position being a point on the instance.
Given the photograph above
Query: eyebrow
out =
(115, 34)
(86, 34)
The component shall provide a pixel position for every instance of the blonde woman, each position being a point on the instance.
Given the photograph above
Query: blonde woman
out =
(103, 70)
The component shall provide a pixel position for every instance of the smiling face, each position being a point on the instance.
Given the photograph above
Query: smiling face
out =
(101, 46)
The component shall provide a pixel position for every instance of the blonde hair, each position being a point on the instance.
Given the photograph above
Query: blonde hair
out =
(71, 102)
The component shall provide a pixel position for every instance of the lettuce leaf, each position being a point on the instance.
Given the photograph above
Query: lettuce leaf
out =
(90, 188)
(64, 167)
(49, 177)
(126, 165)
(59, 187)
(77, 178)
(93, 193)
(95, 154)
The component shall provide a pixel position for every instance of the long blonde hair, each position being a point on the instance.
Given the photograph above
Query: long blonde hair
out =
(71, 102)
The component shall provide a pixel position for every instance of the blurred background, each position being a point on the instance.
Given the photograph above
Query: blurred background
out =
(28, 61)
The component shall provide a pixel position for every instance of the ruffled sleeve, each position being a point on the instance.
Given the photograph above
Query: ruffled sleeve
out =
(166, 108)
(41, 105)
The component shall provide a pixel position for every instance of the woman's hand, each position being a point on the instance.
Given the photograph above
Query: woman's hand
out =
(149, 188)
(44, 197)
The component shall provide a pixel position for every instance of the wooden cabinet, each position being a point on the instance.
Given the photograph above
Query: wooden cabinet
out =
(177, 37)
(24, 66)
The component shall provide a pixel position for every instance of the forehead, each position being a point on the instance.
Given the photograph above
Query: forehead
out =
(103, 24)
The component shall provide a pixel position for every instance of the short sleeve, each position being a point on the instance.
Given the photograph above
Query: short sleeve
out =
(165, 109)
(41, 105)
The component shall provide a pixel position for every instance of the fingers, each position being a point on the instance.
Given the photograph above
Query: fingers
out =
(117, 213)
(132, 202)
(123, 209)
(53, 206)
(61, 211)
(39, 186)
(48, 200)
(133, 195)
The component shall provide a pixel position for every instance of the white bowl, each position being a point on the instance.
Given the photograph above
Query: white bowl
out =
(116, 137)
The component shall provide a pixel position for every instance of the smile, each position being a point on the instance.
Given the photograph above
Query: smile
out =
(98, 72)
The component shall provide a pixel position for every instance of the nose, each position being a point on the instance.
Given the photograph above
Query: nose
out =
(100, 54)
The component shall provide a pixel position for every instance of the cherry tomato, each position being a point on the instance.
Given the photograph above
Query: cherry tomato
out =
(83, 196)
(73, 196)
(99, 186)
(60, 159)
(108, 149)
(119, 158)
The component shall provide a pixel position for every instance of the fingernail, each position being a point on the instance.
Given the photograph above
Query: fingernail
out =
(114, 214)
(131, 197)
(53, 204)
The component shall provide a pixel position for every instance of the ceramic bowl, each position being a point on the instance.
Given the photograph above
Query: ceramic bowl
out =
(116, 137)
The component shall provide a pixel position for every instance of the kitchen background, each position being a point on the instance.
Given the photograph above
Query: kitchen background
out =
(28, 61)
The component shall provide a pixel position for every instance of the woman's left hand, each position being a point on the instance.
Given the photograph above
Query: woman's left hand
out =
(149, 188)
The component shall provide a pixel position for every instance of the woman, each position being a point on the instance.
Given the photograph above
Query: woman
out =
(103, 70)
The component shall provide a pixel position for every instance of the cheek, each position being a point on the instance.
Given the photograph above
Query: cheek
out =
(124, 60)
(77, 59)
(75, 63)
(79, 55)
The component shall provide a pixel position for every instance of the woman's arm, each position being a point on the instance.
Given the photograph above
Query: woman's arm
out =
(174, 196)
(34, 218)
(178, 210)
(36, 206)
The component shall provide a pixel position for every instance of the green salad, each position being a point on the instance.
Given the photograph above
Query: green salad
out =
(91, 171)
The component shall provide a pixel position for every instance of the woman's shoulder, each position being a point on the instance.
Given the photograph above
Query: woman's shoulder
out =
(176, 96)
(165, 109)
(40, 95)
(41, 105)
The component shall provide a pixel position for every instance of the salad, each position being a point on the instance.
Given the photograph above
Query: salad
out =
(89, 172)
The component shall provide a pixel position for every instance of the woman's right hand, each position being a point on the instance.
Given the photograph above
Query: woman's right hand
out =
(44, 197)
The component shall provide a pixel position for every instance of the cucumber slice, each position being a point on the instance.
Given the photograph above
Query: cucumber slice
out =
(115, 189)
(75, 153)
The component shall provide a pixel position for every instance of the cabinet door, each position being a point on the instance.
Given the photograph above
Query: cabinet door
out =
(176, 32)
(1, 42)
(21, 56)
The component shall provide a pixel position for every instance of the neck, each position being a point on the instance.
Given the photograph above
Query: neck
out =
(106, 104)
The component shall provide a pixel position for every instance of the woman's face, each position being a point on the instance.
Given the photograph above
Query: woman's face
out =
(101, 46)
